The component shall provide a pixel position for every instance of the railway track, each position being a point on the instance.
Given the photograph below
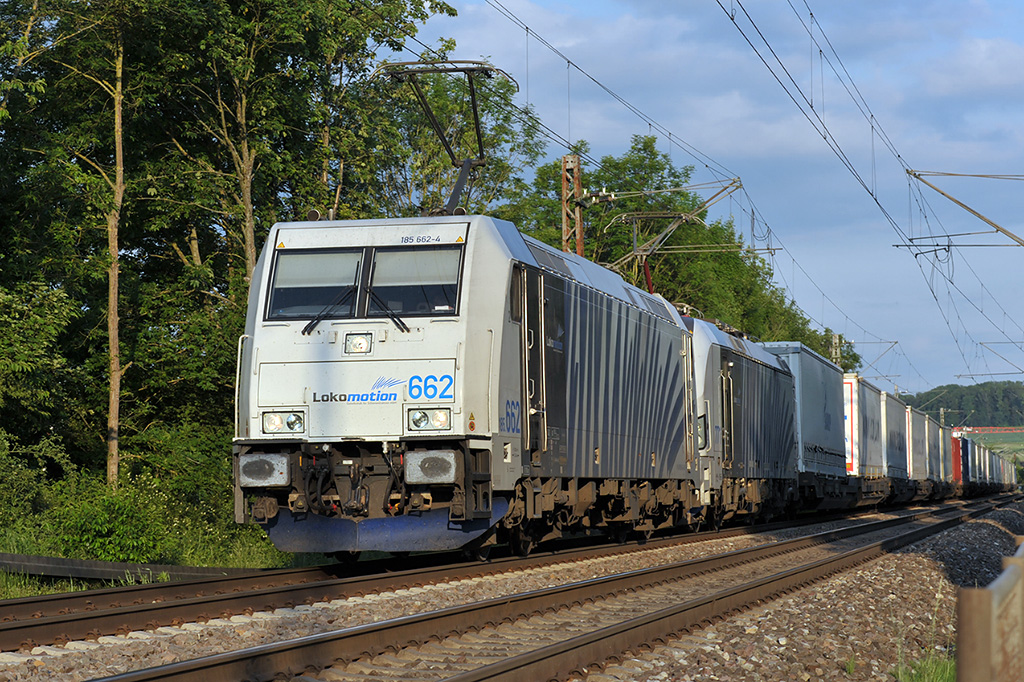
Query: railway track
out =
(59, 618)
(553, 632)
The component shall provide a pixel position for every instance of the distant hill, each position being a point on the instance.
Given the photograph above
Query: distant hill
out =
(994, 403)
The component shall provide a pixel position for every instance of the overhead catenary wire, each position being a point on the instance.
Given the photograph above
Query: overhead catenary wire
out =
(796, 94)
(714, 167)
(865, 111)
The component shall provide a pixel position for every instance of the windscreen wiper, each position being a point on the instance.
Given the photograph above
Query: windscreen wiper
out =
(338, 300)
(399, 322)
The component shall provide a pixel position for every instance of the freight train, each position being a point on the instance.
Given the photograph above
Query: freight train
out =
(448, 382)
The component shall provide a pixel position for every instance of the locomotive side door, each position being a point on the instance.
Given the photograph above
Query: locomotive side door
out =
(534, 398)
(728, 421)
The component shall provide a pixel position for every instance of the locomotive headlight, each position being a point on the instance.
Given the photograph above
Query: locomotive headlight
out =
(418, 419)
(358, 343)
(440, 419)
(430, 420)
(283, 422)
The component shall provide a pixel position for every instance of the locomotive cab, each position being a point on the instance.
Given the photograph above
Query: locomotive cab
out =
(352, 408)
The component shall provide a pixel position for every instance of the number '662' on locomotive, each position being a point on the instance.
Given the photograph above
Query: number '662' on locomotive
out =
(428, 383)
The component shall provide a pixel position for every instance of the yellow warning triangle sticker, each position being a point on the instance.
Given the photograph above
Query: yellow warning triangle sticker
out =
(459, 240)
(471, 417)
(281, 245)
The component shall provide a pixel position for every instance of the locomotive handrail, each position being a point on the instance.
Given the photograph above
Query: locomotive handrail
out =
(238, 376)
(990, 630)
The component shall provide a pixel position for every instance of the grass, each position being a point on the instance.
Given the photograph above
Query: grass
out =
(937, 665)
(931, 669)
(190, 544)
(16, 585)
(1009, 445)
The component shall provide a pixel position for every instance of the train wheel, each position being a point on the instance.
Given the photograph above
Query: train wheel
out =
(692, 522)
(619, 532)
(477, 553)
(522, 539)
(717, 517)
(346, 558)
(480, 549)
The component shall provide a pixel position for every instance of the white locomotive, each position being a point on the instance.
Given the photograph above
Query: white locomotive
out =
(445, 382)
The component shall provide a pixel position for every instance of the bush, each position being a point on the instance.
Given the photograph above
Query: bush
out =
(127, 524)
(19, 484)
(176, 509)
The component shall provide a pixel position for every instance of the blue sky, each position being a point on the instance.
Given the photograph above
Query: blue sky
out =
(941, 83)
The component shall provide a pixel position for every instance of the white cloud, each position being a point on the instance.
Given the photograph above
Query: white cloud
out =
(991, 67)
(943, 80)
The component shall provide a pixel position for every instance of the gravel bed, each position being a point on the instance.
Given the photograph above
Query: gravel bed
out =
(894, 609)
(861, 625)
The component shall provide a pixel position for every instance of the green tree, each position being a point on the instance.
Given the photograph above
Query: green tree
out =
(993, 403)
(420, 175)
(21, 27)
(263, 123)
(36, 381)
(704, 266)
(74, 156)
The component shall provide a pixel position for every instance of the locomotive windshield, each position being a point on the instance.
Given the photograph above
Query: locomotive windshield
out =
(332, 283)
(314, 283)
(415, 281)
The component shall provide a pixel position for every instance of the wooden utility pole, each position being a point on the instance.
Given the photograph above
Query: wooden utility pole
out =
(572, 212)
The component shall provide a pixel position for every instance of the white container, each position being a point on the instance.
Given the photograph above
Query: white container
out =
(865, 443)
(821, 447)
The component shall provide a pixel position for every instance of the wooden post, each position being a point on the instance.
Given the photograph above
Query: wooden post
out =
(572, 212)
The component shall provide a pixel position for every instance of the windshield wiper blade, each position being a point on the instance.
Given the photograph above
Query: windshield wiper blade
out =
(399, 322)
(339, 299)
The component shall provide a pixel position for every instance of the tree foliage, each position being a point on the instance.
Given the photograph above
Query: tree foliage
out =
(705, 266)
(189, 129)
(994, 403)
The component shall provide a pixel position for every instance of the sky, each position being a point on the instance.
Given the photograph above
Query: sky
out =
(872, 88)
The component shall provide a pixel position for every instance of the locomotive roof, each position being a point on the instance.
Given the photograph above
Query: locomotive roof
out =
(707, 332)
(526, 249)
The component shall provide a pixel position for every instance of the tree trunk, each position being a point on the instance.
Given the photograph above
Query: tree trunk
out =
(246, 179)
(113, 220)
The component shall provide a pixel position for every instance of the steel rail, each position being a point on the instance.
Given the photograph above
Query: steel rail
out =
(63, 617)
(313, 652)
(59, 567)
(39, 606)
(60, 618)
(594, 649)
